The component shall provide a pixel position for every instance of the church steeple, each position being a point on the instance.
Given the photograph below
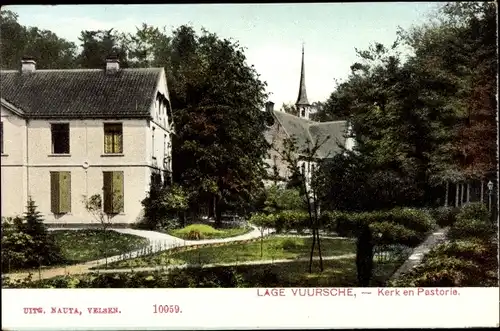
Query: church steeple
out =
(302, 103)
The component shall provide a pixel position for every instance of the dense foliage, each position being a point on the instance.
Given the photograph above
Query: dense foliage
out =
(26, 242)
(420, 121)
(470, 258)
(164, 206)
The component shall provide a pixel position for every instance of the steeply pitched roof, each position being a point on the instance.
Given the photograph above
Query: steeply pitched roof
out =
(307, 132)
(89, 93)
(302, 97)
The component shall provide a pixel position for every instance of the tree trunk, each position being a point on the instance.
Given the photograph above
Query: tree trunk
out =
(317, 227)
(312, 249)
(457, 193)
(311, 223)
(468, 192)
(261, 243)
(482, 190)
(462, 189)
(218, 212)
(446, 194)
(211, 207)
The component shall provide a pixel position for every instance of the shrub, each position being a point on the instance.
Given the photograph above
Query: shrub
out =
(341, 223)
(418, 220)
(482, 252)
(163, 204)
(17, 246)
(279, 199)
(194, 235)
(197, 231)
(26, 242)
(445, 216)
(471, 228)
(263, 221)
(292, 220)
(386, 233)
(289, 244)
(475, 210)
(348, 224)
(444, 271)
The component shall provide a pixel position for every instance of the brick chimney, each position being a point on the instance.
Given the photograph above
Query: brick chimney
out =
(112, 64)
(269, 106)
(28, 64)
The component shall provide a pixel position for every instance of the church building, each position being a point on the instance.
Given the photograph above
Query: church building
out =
(282, 126)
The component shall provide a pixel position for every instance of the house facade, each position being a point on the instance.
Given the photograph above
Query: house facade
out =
(71, 134)
(306, 132)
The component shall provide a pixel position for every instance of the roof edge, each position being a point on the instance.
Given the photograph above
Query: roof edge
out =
(12, 107)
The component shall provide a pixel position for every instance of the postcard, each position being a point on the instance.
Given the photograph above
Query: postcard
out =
(240, 166)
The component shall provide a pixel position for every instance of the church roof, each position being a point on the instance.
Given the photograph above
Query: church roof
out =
(307, 133)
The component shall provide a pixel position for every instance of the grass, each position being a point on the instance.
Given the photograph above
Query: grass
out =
(204, 231)
(336, 273)
(87, 245)
(273, 248)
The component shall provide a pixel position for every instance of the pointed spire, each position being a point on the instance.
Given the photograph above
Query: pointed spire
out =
(302, 98)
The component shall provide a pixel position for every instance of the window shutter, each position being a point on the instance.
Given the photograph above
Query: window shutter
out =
(54, 192)
(108, 191)
(64, 192)
(118, 192)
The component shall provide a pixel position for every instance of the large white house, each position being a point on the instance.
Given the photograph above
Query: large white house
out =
(67, 134)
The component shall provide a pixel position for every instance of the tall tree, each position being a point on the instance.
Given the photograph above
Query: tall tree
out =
(16, 41)
(217, 98)
(98, 45)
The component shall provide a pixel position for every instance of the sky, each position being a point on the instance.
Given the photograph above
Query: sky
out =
(271, 33)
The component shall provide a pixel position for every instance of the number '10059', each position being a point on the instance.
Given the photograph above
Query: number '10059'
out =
(166, 309)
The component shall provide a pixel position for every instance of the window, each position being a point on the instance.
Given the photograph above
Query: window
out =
(113, 192)
(113, 138)
(1, 138)
(60, 138)
(60, 192)
(153, 143)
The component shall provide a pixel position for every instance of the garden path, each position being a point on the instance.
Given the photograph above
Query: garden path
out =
(158, 241)
(418, 253)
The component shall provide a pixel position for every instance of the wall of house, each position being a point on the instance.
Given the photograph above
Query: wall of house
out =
(276, 135)
(86, 143)
(161, 124)
(13, 170)
(87, 182)
(27, 167)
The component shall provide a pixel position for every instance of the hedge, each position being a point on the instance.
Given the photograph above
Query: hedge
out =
(471, 228)
(469, 259)
(397, 226)
(445, 216)
(475, 210)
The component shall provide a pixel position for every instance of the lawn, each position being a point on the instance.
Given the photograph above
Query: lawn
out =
(336, 273)
(204, 231)
(274, 248)
(87, 245)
